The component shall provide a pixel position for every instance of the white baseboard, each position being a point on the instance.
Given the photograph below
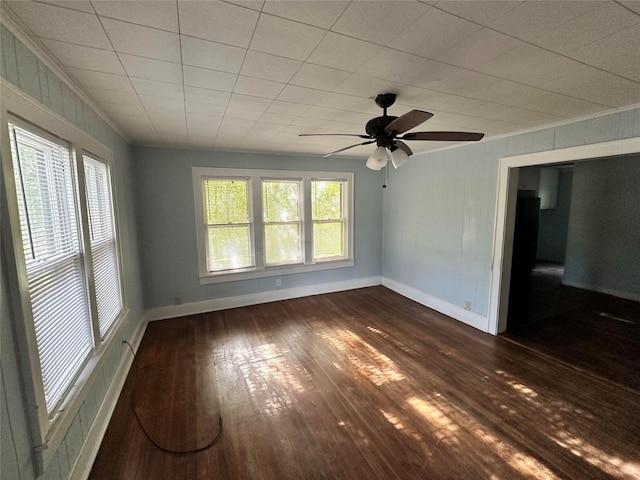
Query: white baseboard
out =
(608, 291)
(89, 451)
(212, 305)
(454, 311)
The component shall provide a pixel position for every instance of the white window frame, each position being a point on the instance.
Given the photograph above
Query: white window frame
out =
(49, 428)
(261, 270)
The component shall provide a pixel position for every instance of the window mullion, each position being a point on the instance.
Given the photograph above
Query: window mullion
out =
(258, 223)
(85, 236)
(307, 224)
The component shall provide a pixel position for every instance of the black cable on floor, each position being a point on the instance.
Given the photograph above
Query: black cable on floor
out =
(133, 408)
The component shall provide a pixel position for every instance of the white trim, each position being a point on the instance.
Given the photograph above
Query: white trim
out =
(161, 313)
(505, 212)
(454, 311)
(607, 291)
(18, 29)
(84, 461)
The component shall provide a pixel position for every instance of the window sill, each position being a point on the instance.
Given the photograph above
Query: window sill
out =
(208, 279)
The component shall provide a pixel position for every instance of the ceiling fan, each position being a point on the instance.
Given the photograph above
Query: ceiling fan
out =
(385, 131)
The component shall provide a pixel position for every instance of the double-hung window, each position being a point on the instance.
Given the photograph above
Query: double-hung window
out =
(257, 223)
(69, 245)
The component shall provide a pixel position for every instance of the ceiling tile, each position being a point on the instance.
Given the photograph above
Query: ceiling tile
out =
(285, 38)
(213, 55)
(85, 57)
(118, 110)
(400, 67)
(269, 67)
(601, 22)
(205, 109)
(242, 113)
(342, 52)
(218, 21)
(306, 96)
(617, 53)
(203, 95)
(143, 41)
(48, 21)
(364, 86)
(277, 118)
(108, 81)
(158, 89)
(158, 13)
(433, 33)
(321, 14)
(252, 4)
(258, 87)
(322, 78)
(248, 102)
(322, 113)
(287, 108)
(112, 96)
(81, 5)
(483, 12)
(480, 47)
(349, 103)
(211, 79)
(151, 102)
(513, 61)
(530, 19)
(378, 22)
(142, 67)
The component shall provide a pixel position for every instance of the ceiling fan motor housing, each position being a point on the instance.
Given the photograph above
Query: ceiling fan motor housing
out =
(376, 129)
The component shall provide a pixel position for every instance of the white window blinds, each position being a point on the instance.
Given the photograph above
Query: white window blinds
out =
(53, 256)
(104, 253)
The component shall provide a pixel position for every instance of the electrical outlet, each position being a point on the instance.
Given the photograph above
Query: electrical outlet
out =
(278, 282)
(467, 305)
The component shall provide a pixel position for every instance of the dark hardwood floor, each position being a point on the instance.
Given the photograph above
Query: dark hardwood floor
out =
(596, 333)
(364, 384)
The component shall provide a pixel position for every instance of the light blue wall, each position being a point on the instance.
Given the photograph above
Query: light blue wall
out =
(21, 68)
(554, 223)
(168, 230)
(439, 209)
(603, 250)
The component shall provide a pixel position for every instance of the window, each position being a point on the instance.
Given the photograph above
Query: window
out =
(74, 289)
(254, 223)
(282, 220)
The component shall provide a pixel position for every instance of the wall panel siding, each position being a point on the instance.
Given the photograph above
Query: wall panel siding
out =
(439, 209)
(23, 69)
(168, 224)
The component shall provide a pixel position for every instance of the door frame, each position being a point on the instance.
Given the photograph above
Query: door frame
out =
(506, 212)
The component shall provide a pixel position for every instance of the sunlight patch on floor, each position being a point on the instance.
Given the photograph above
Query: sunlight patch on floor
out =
(449, 422)
(556, 416)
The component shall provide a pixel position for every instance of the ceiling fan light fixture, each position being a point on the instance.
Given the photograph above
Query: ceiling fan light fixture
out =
(378, 159)
(399, 157)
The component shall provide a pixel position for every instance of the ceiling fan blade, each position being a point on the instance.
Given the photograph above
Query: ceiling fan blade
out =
(403, 146)
(444, 136)
(347, 148)
(333, 135)
(408, 121)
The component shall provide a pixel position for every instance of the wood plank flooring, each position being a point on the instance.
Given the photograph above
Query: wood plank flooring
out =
(366, 384)
(591, 331)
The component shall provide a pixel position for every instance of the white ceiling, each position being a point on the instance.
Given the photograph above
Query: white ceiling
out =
(252, 75)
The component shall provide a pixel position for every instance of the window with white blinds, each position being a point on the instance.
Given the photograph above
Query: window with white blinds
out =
(104, 253)
(46, 183)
